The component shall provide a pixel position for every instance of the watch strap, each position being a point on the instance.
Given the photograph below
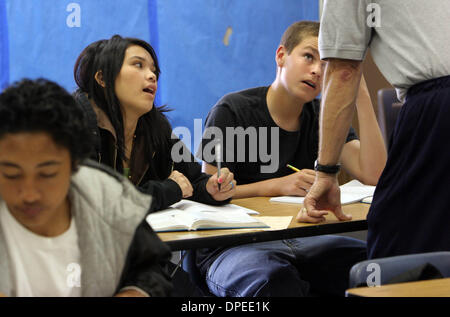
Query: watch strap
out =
(328, 169)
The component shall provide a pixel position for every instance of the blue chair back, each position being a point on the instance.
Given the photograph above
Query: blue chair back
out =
(391, 267)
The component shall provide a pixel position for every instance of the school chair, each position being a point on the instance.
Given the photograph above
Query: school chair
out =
(388, 109)
(402, 268)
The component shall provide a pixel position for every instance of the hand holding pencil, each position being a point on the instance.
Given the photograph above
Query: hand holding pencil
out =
(298, 183)
(221, 185)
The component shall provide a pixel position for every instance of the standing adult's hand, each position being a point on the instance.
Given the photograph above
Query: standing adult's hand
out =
(324, 196)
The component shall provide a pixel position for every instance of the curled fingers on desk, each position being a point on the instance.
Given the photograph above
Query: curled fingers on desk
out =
(303, 216)
(322, 198)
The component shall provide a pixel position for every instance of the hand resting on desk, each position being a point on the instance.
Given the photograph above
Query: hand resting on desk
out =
(324, 196)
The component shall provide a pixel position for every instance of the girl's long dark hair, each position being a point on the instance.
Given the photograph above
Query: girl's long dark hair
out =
(107, 56)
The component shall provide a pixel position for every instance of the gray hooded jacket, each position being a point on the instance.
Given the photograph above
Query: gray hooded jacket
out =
(108, 210)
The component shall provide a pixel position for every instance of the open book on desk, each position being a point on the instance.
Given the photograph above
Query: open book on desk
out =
(188, 215)
(351, 192)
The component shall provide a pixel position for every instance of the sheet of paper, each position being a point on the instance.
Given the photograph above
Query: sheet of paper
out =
(351, 192)
(276, 223)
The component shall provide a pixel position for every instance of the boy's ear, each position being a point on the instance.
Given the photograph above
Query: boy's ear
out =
(280, 55)
(99, 78)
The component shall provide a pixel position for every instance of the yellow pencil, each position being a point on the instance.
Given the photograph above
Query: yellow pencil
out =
(293, 168)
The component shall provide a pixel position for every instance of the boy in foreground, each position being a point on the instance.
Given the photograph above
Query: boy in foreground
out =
(66, 228)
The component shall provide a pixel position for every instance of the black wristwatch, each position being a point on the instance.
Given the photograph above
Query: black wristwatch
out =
(328, 169)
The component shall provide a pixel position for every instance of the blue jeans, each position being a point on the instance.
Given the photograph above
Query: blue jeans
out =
(317, 265)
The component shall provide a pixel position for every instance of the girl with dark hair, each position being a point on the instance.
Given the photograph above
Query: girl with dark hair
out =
(117, 79)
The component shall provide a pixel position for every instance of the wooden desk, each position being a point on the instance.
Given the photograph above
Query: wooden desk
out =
(429, 288)
(184, 240)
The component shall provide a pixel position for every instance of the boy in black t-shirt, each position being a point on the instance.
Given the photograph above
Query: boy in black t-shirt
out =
(287, 107)
(263, 129)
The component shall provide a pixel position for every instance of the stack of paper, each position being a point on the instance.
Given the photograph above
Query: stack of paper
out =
(190, 215)
(351, 192)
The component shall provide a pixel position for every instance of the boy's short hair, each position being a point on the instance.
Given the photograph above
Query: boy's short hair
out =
(297, 32)
(43, 106)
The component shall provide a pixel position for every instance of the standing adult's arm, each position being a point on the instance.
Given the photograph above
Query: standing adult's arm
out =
(341, 82)
(364, 159)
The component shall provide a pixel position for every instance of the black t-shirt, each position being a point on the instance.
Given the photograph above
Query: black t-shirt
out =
(267, 148)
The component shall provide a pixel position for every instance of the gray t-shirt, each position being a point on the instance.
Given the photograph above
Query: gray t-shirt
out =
(409, 39)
